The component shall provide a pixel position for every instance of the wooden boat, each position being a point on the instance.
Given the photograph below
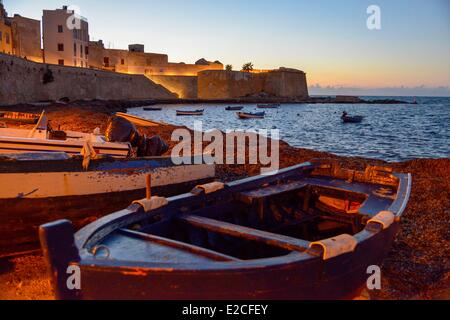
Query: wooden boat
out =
(190, 113)
(352, 119)
(39, 187)
(21, 117)
(306, 232)
(249, 115)
(138, 120)
(152, 109)
(231, 108)
(269, 106)
(42, 139)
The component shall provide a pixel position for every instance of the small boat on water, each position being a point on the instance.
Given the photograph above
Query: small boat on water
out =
(190, 112)
(232, 108)
(21, 117)
(352, 119)
(250, 115)
(40, 187)
(138, 120)
(269, 106)
(43, 139)
(152, 109)
(306, 232)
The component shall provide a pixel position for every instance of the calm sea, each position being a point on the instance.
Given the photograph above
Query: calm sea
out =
(389, 132)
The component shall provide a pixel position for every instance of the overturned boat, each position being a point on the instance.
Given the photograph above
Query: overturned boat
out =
(138, 120)
(40, 187)
(307, 232)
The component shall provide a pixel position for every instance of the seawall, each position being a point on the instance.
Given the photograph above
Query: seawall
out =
(184, 86)
(23, 81)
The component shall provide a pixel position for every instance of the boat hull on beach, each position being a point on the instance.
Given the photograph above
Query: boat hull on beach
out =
(38, 188)
(306, 232)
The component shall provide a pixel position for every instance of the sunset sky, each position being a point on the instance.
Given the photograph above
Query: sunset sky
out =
(329, 40)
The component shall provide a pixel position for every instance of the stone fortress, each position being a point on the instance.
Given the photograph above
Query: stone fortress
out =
(69, 47)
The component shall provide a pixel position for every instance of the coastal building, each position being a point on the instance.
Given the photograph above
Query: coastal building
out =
(136, 61)
(20, 36)
(5, 31)
(26, 35)
(66, 38)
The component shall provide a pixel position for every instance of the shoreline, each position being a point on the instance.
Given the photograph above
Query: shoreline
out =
(416, 268)
(113, 104)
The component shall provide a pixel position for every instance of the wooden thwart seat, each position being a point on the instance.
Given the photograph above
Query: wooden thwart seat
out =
(213, 255)
(226, 228)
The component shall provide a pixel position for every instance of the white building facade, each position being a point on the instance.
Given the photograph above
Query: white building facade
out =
(66, 38)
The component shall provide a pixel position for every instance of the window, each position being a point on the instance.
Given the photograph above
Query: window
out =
(75, 49)
(75, 62)
(7, 38)
(86, 49)
(1, 36)
(106, 61)
(122, 61)
(81, 50)
(60, 29)
(61, 62)
(60, 46)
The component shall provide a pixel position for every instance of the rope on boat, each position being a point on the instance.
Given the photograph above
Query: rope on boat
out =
(88, 152)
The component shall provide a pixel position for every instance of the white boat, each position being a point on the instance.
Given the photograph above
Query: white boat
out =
(39, 187)
(43, 139)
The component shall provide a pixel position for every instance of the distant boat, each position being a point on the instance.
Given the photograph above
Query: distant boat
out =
(237, 108)
(249, 115)
(352, 119)
(138, 120)
(268, 106)
(21, 117)
(152, 109)
(190, 112)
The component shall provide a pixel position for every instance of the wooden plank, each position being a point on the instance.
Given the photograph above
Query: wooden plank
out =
(261, 193)
(272, 239)
(179, 245)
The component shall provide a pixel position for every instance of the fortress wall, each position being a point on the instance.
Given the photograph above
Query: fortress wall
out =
(184, 86)
(21, 81)
(282, 83)
(228, 84)
(286, 83)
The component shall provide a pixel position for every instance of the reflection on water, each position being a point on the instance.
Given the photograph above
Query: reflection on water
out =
(388, 132)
